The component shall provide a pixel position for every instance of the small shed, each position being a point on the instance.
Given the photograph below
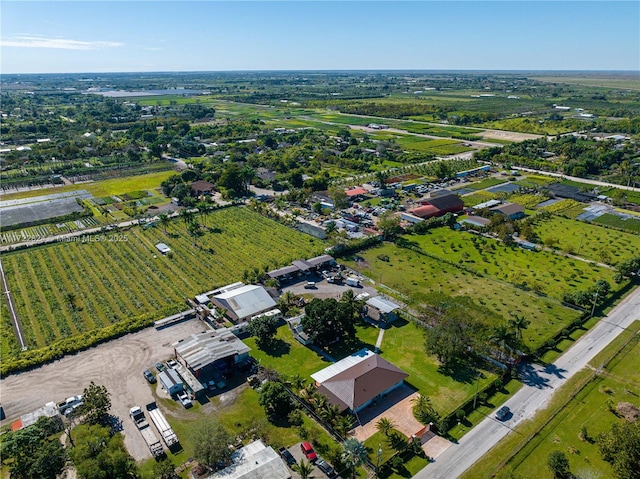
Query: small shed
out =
(171, 382)
(163, 248)
(381, 310)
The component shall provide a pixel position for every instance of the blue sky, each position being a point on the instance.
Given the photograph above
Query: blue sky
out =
(119, 36)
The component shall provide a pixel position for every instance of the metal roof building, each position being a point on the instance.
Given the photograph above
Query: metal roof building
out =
(254, 461)
(171, 381)
(354, 382)
(244, 302)
(382, 305)
(200, 350)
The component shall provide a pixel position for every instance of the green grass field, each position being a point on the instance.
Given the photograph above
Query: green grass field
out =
(582, 401)
(485, 183)
(115, 276)
(589, 240)
(244, 416)
(632, 225)
(541, 271)
(620, 382)
(115, 186)
(421, 277)
(403, 345)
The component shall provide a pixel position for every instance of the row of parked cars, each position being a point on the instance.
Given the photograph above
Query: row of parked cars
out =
(311, 456)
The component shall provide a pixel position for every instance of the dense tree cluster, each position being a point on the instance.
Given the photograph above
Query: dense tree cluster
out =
(328, 320)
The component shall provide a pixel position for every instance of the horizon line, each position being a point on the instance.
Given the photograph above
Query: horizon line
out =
(330, 70)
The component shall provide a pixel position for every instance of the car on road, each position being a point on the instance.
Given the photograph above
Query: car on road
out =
(148, 375)
(503, 413)
(287, 456)
(326, 468)
(160, 367)
(308, 451)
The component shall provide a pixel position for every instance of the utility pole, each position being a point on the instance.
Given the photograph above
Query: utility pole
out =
(475, 396)
(595, 300)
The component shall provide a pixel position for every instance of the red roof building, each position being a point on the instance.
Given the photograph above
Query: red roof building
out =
(356, 192)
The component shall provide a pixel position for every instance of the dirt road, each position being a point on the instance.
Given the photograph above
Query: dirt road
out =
(117, 364)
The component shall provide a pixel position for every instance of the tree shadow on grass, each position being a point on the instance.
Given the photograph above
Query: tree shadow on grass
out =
(346, 347)
(277, 348)
(460, 371)
(398, 323)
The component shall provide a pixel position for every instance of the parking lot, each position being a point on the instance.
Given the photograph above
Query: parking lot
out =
(296, 452)
(323, 289)
(117, 364)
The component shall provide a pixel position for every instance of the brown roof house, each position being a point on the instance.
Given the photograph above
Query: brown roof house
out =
(202, 187)
(356, 381)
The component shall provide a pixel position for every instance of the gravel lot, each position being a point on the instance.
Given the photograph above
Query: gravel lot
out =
(325, 289)
(117, 364)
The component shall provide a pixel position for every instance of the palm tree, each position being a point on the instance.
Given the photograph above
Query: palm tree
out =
(163, 218)
(353, 454)
(304, 469)
(71, 299)
(329, 413)
(343, 425)
(203, 210)
(385, 425)
(519, 323)
(187, 216)
(502, 336)
(194, 231)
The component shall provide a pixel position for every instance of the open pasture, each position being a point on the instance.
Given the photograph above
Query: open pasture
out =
(540, 271)
(619, 382)
(420, 277)
(68, 288)
(588, 240)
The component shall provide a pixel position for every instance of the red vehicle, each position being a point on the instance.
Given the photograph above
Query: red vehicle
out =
(308, 451)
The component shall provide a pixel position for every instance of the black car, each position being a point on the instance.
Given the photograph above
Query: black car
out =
(503, 413)
(148, 375)
(326, 468)
(287, 456)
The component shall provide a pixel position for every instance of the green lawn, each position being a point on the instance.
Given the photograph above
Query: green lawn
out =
(244, 417)
(589, 240)
(541, 271)
(632, 225)
(423, 278)
(114, 186)
(485, 183)
(289, 356)
(557, 427)
(619, 383)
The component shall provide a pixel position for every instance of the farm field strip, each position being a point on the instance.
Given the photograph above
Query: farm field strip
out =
(112, 281)
(91, 300)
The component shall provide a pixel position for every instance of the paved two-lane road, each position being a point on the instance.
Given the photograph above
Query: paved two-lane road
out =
(540, 384)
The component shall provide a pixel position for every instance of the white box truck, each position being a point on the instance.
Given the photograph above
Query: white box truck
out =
(162, 425)
(353, 281)
(147, 434)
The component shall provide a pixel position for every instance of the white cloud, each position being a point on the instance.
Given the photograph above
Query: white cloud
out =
(57, 43)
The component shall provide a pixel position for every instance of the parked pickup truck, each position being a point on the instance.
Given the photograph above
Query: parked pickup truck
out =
(287, 456)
